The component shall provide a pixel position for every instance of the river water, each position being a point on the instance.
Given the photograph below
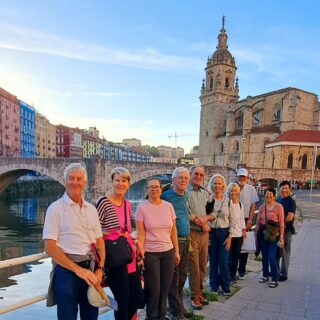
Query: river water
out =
(21, 222)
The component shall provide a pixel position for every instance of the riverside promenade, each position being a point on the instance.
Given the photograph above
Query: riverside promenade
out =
(297, 298)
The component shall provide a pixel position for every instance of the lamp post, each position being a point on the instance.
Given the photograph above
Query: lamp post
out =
(243, 137)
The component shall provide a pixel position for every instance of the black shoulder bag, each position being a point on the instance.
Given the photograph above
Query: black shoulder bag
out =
(118, 251)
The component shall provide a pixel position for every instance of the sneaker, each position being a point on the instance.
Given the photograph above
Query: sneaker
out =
(263, 279)
(214, 291)
(226, 293)
(196, 304)
(273, 284)
(242, 277)
(203, 300)
(282, 278)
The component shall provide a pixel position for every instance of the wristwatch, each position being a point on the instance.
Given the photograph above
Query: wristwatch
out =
(101, 268)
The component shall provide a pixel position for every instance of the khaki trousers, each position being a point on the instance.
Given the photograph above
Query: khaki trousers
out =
(198, 260)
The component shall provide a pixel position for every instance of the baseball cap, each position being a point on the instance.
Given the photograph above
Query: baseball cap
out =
(242, 172)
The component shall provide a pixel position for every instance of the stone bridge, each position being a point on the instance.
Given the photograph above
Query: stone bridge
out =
(99, 170)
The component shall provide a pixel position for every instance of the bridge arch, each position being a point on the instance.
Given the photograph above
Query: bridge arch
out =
(10, 173)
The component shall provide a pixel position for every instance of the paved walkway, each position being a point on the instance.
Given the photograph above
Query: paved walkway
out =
(297, 298)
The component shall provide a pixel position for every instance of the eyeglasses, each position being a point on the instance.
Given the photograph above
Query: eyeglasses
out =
(154, 188)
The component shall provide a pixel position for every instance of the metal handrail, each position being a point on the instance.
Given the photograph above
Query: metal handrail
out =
(23, 303)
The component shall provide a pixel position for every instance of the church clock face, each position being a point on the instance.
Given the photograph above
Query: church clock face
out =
(256, 117)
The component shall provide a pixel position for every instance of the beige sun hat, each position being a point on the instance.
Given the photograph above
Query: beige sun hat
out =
(97, 297)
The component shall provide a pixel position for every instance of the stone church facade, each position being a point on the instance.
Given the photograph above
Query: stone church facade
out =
(241, 132)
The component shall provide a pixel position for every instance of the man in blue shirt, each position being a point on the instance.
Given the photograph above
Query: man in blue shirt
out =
(178, 197)
(289, 207)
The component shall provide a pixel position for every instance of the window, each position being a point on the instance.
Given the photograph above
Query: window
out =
(276, 112)
(239, 121)
(207, 133)
(227, 83)
(290, 161)
(317, 163)
(221, 147)
(304, 162)
(211, 83)
(256, 117)
(237, 146)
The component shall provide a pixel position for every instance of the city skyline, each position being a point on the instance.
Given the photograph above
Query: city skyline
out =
(135, 70)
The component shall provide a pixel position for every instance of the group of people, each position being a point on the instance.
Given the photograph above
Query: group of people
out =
(177, 231)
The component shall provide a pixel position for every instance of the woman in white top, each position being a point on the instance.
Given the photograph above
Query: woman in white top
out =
(237, 229)
(219, 240)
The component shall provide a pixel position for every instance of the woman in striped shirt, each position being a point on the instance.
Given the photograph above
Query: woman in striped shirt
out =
(123, 281)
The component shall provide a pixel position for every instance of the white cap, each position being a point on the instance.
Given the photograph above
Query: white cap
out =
(242, 172)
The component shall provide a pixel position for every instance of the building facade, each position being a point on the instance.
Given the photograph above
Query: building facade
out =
(68, 142)
(236, 132)
(27, 131)
(45, 137)
(9, 125)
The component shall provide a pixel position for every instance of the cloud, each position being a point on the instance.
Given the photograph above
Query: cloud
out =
(106, 94)
(29, 40)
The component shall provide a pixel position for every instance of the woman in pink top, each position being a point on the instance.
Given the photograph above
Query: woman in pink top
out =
(156, 230)
(270, 211)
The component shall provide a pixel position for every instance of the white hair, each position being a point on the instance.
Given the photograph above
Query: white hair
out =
(210, 184)
(75, 166)
(179, 170)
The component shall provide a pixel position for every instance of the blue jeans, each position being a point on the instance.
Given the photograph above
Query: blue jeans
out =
(219, 260)
(269, 252)
(69, 292)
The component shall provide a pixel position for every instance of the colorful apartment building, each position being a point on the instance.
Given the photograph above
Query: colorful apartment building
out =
(9, 125)
(27, 130)
(69, 142)
(92, 146)
(45, 137)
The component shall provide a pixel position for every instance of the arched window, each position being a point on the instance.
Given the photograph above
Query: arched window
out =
(237, 146)
(304, 162)
(266, 141)
(317, 163)
(290, 161)
(239, 121)
(211, 83)
(276, 112)
(227, 83)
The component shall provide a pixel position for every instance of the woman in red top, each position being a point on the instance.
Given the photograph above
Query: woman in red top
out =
(272, 212)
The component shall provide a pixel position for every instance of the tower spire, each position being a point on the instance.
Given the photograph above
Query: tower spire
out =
(222, 38)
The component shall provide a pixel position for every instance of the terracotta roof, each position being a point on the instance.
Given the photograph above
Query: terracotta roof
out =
(299, 136)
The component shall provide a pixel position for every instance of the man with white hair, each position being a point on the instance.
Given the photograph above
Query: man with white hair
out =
(248, 197)
(177, 196)
(70, 230)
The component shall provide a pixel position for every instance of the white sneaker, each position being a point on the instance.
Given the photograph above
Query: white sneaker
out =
(242, 277)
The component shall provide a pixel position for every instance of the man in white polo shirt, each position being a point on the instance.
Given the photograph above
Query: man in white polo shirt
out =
(71, 226)
(248, 198)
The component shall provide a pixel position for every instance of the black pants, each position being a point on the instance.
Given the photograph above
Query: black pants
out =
(158, 274)
(126, 288)
(234, 256)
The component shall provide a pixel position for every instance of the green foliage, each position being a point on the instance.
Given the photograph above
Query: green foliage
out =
(153, 151)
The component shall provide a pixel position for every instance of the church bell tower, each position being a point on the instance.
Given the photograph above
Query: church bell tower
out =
(219, 92)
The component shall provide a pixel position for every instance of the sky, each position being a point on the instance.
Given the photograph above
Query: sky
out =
(134, 69)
